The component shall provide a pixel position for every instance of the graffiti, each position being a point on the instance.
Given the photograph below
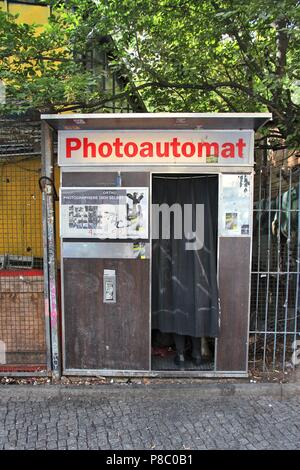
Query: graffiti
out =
(53, 314)
(55, 361)
(53, 318)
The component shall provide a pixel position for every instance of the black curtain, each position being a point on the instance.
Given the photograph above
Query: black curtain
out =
(184, 283)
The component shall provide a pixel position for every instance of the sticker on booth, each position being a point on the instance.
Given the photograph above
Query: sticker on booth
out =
(105, 213)
(235, 205)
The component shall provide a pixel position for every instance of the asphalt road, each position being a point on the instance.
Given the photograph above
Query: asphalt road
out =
(128, 417)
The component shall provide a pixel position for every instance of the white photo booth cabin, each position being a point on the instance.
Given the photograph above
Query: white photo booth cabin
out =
(127, 295)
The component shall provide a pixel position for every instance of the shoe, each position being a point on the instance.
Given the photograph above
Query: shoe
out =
(179, 360)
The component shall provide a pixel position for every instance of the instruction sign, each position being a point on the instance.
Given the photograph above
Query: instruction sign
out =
(106, 213)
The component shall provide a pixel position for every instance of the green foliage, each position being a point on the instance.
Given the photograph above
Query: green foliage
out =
(44, 70)
(179, 55)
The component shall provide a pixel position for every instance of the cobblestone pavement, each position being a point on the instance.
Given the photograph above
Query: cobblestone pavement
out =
(55, 417)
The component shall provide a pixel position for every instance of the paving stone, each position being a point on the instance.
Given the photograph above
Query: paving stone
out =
(108, 420)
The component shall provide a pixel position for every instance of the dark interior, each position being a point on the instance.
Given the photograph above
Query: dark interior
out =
(185, 307)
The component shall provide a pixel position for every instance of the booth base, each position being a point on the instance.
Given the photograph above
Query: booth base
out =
(157, 373)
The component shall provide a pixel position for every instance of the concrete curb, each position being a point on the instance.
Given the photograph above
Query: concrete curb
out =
(42, 392)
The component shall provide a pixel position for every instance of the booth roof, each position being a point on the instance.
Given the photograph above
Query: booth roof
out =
(222, 121)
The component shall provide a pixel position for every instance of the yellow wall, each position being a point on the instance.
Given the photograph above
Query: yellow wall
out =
(29, 14)
(21, 209)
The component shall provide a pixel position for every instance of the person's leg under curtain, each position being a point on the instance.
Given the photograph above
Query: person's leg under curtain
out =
(180, 346)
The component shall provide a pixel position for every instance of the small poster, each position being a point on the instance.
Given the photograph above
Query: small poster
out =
(235, 205)
(231, 221)
(104, 213)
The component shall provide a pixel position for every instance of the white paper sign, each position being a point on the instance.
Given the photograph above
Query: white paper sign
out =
(235, 205)
(104, 213)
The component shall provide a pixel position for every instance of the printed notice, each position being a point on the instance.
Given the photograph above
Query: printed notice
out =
(106, 213)
(235, 205)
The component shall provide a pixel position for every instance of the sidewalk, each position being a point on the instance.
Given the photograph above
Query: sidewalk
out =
(153, 416)
(284, 386)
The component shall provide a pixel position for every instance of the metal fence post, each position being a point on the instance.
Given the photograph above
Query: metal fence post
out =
(50, 272)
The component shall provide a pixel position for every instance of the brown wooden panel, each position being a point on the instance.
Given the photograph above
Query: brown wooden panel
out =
(111, 336)
(234, 282)
(22, 318)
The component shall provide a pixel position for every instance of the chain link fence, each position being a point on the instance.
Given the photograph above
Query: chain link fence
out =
(22, 317)
(275, 307)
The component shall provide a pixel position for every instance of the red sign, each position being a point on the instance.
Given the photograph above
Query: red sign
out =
(159, 147)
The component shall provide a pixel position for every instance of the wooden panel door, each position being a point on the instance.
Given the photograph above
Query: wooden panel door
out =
(101, 335)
